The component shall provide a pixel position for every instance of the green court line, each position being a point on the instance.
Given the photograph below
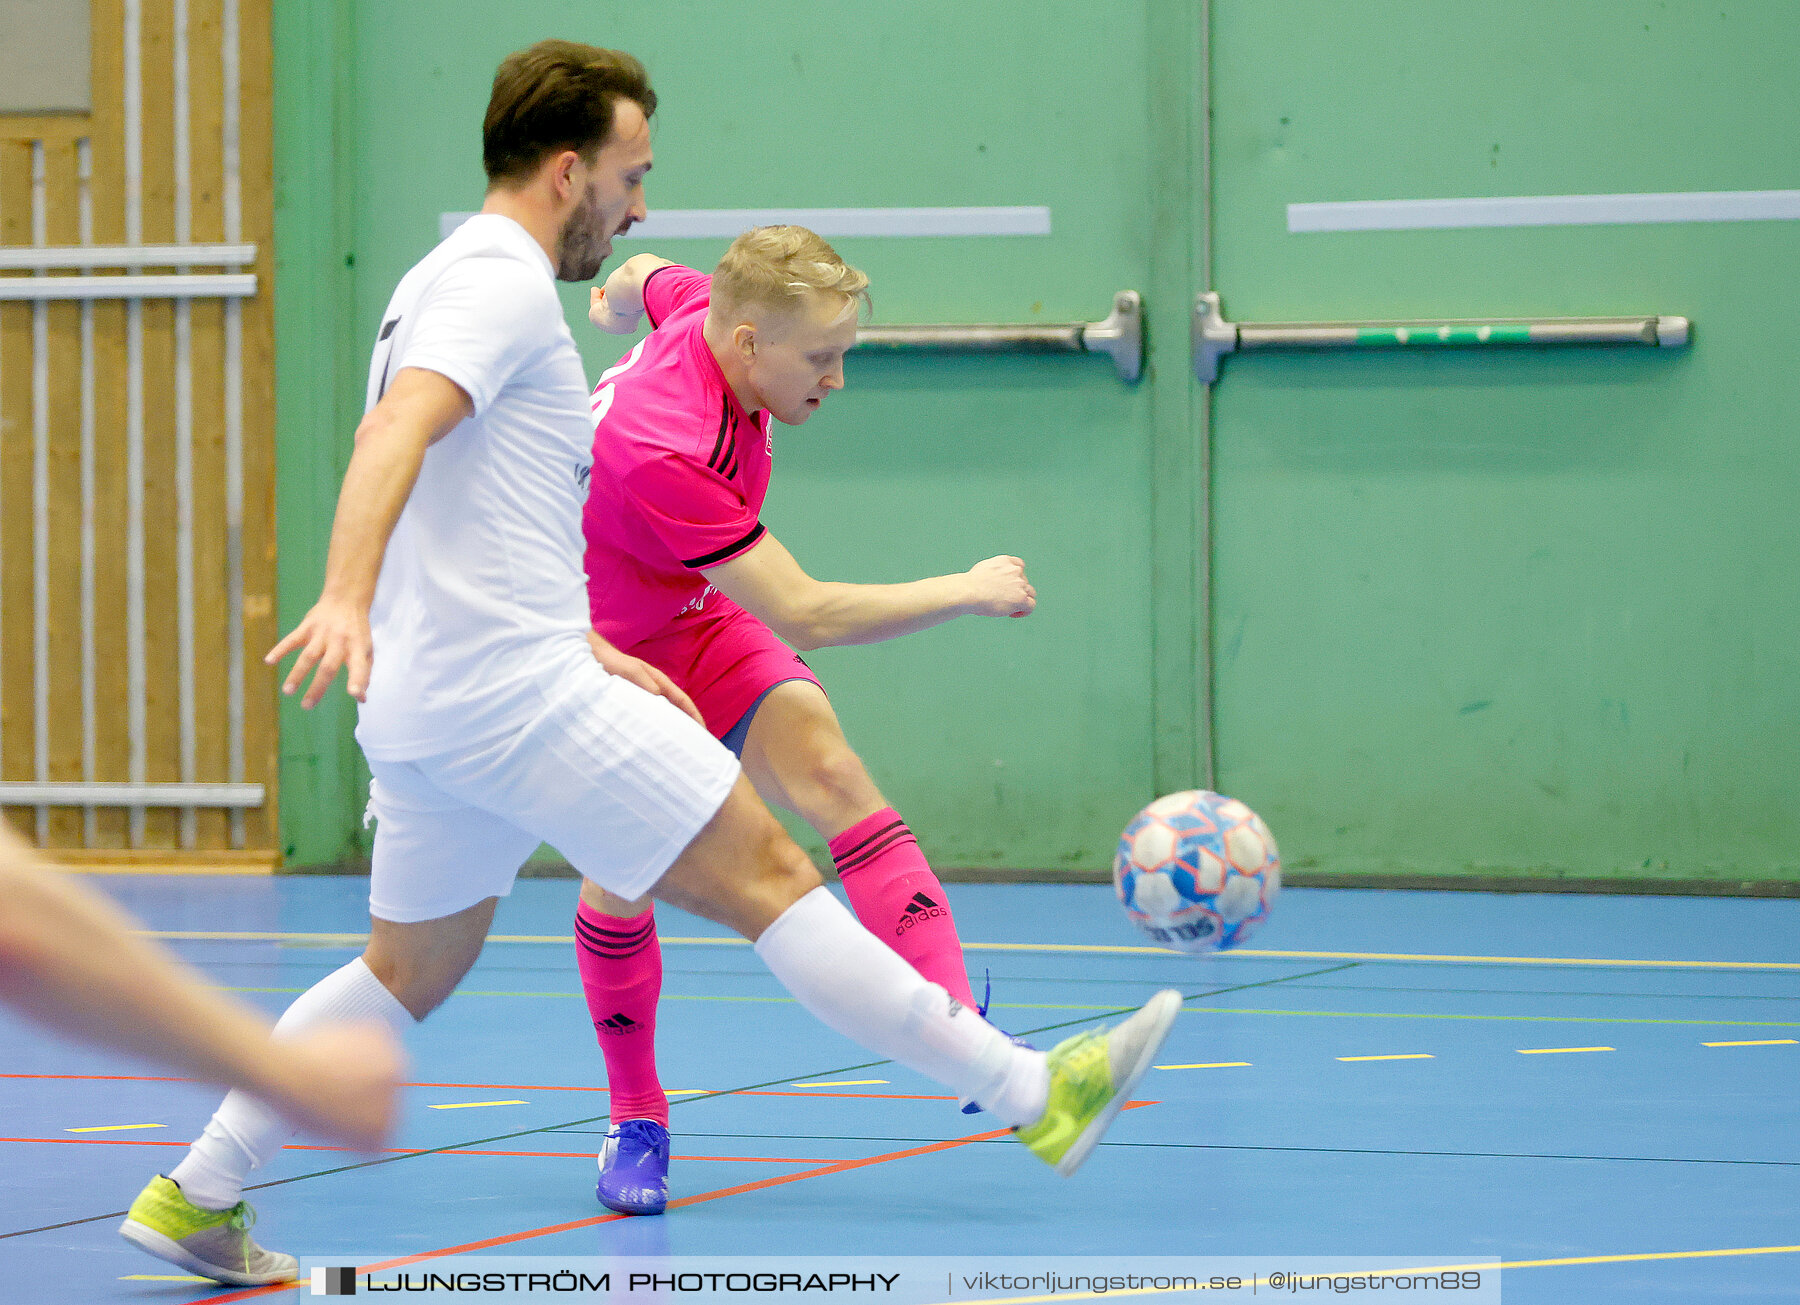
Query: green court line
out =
(1242, 953)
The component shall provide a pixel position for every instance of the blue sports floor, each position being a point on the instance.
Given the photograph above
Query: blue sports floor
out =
(1601, 1091)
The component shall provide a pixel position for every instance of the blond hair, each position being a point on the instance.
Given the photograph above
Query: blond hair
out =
(777, 267)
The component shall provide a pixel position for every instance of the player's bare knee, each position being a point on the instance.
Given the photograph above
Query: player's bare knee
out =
(599, 899)
(419, 985)
(781, 871)
(837, 787)
(774, 875)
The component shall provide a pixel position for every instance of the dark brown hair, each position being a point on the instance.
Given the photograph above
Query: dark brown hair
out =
(555, 96)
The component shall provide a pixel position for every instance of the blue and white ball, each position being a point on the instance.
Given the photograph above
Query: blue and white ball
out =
(1197, 871)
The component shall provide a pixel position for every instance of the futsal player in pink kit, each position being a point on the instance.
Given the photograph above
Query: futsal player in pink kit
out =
(683, 574)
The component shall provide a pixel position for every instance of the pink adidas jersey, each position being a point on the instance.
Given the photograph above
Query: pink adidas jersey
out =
(680, 469)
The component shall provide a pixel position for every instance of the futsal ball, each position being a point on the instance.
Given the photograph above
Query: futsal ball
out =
(1197, 871)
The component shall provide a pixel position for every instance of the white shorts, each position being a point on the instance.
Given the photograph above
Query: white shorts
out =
(616, 779)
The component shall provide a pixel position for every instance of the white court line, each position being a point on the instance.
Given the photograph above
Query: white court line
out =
(1546, 211)
(727, 223)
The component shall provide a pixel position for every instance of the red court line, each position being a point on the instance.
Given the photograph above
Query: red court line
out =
(550, 1155)
(106, 1078)
(513, 1087)
(469, 1248)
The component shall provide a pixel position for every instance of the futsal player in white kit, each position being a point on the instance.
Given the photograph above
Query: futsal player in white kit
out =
(493, 718)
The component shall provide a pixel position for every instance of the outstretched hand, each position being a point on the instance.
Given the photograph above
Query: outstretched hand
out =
(1001, 588)
(331, 636)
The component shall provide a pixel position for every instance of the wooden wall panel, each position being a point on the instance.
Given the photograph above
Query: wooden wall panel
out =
(212, 598)
(112, 737)
(257, 128)
(220, 353)
(161, 692)
(62, 214)
(18, 738)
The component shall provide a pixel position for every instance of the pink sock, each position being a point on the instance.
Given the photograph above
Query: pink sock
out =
(621, 972)
(899, 900)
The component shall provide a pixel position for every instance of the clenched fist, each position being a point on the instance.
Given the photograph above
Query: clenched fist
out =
(1001, 589)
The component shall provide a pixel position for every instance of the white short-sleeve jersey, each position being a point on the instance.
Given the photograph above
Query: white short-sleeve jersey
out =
(481, 604)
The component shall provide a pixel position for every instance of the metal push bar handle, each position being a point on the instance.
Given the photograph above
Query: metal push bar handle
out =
(1121, 336)
(1214, 336)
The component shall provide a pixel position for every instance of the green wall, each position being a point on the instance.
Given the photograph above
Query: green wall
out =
(1506, 614)
(1005, 743)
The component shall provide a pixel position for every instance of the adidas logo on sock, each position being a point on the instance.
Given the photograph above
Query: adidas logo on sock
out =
(618, 1023)
(920, 908)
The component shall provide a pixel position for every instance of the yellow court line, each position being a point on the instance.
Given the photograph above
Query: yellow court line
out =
(213, 935)
(472, 1105)
(1114, 1009)
(1221, 1064)
(1767, 1042)
(111, 1128)
(1559, 1051)
(1481, 1267)
(202, 935)
(845, 1082)
(686, 1092)
(1411, 1055)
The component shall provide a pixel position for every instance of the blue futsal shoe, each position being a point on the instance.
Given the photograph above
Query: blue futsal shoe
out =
(634, 1168)
(968, 1104)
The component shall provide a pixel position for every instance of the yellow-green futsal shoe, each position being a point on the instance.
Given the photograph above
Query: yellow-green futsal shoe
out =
(1091, 1077)
(213, 1243)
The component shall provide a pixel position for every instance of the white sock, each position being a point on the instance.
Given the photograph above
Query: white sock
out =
(846, 977)
(244, 1133)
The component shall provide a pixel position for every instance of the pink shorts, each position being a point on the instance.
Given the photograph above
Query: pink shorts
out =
(725, 659)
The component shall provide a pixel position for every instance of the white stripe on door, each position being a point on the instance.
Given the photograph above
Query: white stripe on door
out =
(1546, 211)
(727, 223)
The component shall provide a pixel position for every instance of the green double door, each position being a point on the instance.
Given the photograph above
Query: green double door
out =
(1435, 614)
(1511, 612)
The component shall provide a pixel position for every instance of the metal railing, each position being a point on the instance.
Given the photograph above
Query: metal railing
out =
(40, 288)
(167, 285)
(1120, 336)
(103, 793)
